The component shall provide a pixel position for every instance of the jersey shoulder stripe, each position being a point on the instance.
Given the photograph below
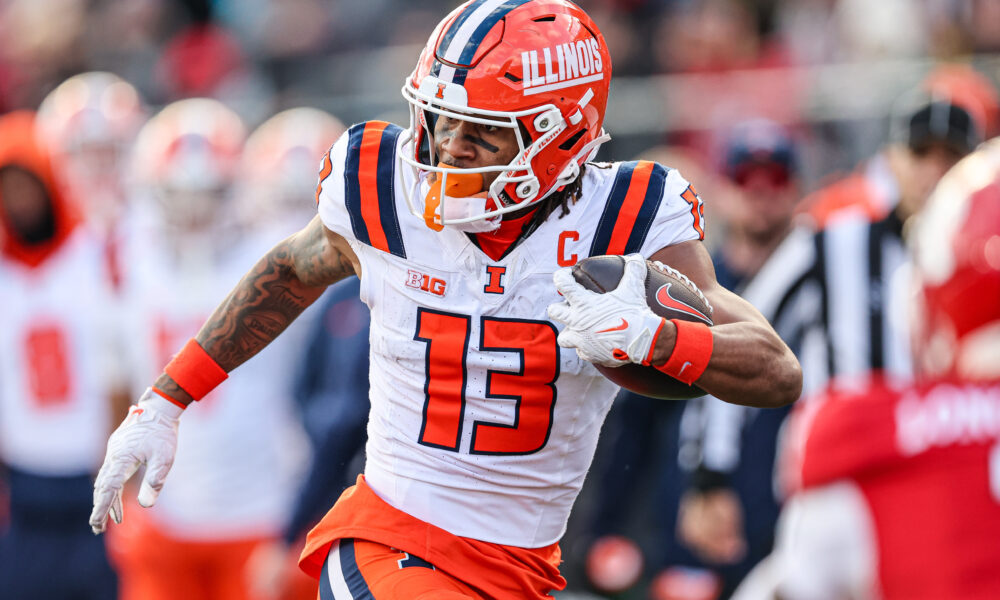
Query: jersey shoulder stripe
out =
(630, 208)
(369, 173)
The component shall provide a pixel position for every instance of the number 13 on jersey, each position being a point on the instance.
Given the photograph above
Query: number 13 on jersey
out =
(532, 387)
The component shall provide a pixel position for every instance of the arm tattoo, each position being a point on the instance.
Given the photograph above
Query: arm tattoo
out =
(279, 287)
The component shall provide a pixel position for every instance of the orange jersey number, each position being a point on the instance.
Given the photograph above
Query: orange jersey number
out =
(697, 210)
(532, 386)
(48, 361)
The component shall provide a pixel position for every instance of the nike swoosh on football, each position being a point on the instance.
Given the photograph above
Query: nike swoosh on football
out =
(666, 300)
(624, 325)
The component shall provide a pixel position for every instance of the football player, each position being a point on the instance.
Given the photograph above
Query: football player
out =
(190, 247)
(914, 511)
(57, 374)
(277, 172)
(89, 122)
(484, 419)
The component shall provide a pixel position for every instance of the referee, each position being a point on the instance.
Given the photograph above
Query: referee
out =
(839, 299)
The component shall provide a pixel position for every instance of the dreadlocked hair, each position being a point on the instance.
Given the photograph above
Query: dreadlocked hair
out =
(563, 198)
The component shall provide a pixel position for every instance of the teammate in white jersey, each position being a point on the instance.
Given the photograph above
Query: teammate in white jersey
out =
(241, 454)
(484, 418)
(89, 122)
(56, 377)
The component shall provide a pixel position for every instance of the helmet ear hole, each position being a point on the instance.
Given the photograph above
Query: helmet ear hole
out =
(525, 133)
(571, 141)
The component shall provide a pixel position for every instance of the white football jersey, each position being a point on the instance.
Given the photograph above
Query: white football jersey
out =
(241, 449)
(56, 346)
(480, 423)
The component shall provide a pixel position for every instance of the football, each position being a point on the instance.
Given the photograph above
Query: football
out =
(669, 294)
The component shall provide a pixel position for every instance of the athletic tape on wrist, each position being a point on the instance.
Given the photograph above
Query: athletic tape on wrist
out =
(692, 351)
(195, 371)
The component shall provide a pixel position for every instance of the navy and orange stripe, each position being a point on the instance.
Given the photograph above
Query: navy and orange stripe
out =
(368, 179)
(352, 573)
(461, 40)
(631, 207)
(324, 172)
(697, 210)
(348, 570)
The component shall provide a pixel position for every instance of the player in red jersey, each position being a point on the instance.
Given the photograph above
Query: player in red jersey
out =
(485, 402)
(896, 489)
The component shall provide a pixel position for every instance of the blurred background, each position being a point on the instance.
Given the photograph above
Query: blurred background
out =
(683, 68)
(183, 163)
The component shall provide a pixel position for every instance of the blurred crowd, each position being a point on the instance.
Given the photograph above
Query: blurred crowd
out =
(151, 150)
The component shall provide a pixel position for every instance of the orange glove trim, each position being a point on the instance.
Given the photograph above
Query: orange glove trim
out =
(167, 397)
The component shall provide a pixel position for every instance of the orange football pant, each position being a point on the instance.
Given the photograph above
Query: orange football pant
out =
(152, 565)
(361, 570)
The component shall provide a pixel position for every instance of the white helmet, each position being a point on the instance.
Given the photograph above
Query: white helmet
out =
(277, 179)
(187, 157)
(89, 122)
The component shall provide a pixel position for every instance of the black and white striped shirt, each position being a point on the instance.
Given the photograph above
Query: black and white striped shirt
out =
(840, 300)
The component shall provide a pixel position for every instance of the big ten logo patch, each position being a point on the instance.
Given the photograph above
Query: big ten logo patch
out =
(562, 66)
(425, 283)
(495, 282)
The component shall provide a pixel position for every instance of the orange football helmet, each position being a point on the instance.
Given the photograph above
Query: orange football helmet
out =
(539, 67)
(94, 108)
(89, 122)
(278, 169)
(187, 156)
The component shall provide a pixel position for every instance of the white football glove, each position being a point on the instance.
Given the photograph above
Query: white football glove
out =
(148, 435)
(609, 329)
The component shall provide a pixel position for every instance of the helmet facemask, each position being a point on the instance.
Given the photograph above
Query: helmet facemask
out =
(489, 203)
(539, 68)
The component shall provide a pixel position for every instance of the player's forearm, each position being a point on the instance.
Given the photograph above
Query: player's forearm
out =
(750, 365)
(264, 303)
(259, 308)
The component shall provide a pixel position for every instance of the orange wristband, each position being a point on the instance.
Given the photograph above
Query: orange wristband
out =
(692, 351)
(195, 371)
